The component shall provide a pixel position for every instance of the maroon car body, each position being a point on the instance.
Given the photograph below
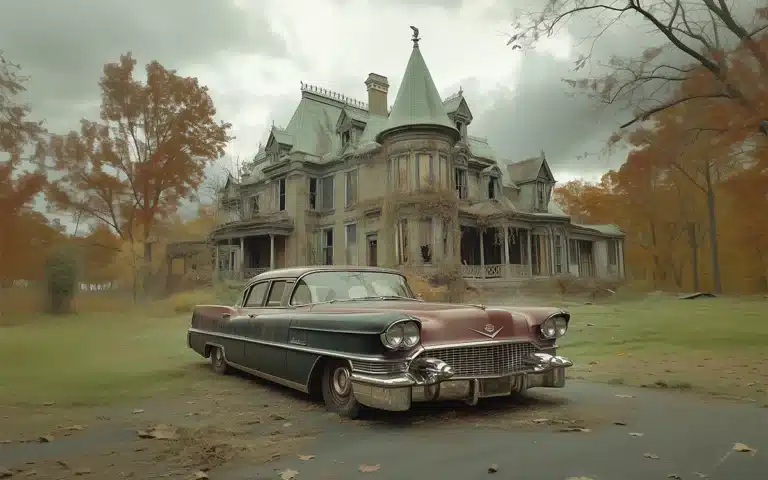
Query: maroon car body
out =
(358, 336)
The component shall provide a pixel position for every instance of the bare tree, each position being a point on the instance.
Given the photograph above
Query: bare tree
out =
(706, 34)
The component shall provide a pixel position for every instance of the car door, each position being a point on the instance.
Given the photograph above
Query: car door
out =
(268, 327)
(252, 302)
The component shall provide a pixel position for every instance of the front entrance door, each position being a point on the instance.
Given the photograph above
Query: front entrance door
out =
(372, 242)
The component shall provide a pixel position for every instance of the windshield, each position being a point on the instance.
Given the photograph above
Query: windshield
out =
(329, 286)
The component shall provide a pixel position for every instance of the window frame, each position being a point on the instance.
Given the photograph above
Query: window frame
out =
(249, 292)
(350, 201)
(271, 289)
(325, 249)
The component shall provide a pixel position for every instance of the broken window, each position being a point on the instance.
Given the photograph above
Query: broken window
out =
(461, 183)
(327, 246)
(426, 240)
(493, 188)
(281, 195)
(399, 169)
(312, 193)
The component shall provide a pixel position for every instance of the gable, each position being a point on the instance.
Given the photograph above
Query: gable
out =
(545, 174)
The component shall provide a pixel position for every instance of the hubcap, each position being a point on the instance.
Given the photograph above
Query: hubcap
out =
(340, 382)
(219, 356)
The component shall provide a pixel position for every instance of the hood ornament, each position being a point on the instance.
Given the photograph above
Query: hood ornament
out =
(488, 331)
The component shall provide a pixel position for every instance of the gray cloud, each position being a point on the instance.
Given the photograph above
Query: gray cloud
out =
(63, 45)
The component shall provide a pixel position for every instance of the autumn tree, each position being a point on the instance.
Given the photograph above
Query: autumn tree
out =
(707, 37)
(20, 149)
(150, 150)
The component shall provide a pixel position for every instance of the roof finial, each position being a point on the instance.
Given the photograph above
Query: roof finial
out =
(461, 90)
(415, 39)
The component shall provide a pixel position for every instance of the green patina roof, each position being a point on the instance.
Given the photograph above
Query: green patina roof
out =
(313, 127)
(417, 101)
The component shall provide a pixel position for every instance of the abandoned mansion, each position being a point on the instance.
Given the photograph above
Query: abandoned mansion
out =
(353, 183)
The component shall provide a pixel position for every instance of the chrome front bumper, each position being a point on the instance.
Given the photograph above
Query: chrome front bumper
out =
(430, 379)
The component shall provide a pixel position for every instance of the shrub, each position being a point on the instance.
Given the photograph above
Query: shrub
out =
(61, 271)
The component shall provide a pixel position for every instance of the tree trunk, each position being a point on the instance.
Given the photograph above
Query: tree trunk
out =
(694, 244)
(712, 229)
(655, 255)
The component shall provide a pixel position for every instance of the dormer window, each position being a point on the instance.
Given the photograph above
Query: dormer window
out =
(459, 125)
(345, 137)
(541, 196)
(493, 188)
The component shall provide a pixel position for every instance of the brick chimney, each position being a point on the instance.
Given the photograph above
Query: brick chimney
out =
(378, 86)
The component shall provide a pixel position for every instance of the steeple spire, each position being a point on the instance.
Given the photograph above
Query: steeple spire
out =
(418, 103)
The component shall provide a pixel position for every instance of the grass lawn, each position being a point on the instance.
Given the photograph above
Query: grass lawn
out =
(713, 345)
(94, 359)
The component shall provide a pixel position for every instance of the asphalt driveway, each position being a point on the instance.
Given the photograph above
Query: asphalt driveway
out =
(680, 436)
(611, 432)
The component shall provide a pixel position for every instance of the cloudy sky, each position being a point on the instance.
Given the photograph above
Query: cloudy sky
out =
(253, 54)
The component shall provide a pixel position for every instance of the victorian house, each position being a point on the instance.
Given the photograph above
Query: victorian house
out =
(353, 183)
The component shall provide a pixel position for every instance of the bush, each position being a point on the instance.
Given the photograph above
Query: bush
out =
(61, 271)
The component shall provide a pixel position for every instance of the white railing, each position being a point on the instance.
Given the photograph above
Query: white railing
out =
(494, 271)
(471, 271)
(518, 271)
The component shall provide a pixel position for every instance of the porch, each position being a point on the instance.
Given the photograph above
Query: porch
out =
(249, 255)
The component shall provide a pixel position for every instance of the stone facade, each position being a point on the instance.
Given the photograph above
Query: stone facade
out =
(347, 182)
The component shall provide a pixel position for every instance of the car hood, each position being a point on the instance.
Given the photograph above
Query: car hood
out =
(449, 323)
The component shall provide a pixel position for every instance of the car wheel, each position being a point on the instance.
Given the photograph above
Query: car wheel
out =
(337, 390)
(218, 362)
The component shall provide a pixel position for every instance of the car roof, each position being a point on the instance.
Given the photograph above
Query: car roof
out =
(295, 272)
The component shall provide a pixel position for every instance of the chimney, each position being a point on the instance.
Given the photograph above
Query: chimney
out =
(378, 86)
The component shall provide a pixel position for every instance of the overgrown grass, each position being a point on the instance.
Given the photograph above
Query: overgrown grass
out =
(713, 345)
(93, 359)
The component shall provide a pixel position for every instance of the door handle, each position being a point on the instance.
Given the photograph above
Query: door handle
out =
(225, 316)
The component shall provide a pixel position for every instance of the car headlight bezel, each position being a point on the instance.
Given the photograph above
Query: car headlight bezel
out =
(554, 326)
(401, 335)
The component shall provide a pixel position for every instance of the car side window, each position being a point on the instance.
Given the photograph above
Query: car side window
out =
(275, 298)
(256, 295)
(302, 295)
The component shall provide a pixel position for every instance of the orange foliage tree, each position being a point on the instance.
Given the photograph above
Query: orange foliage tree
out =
(695, 180)
(22, 231)
(150, 150)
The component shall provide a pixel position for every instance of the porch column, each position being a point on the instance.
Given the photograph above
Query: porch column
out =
(216, 262)
(530, 259)
(271, 251)
(482, 255)
(241, 260)
(506, 250)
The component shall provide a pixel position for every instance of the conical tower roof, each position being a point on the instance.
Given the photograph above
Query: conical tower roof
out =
(417, 103)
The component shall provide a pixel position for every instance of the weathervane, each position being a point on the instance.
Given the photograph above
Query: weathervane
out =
(415, 39)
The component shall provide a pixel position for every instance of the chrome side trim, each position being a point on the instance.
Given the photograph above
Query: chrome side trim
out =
(316, 351)
(257, 373)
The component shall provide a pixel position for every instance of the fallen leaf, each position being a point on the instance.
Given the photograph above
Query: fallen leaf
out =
(288, 474)
(701, 475)
(45, 439)
(674, 476)
(493, 468)
(137, 411)
(635, 434)
(575, 429)
(621, 395)
(287, 424)
(30, 473)
(368, 468)
(62, 463)
(49, 404)
(75, 428)
(275, 416)
(540, 420)
(741, 447)
(306, 457)
(621, 424)
(159, 432)
(199, 475)
(651, 456)
(82, 471)
(5, 472)
(579, 478)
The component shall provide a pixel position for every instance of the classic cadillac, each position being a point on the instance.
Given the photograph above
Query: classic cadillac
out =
(358, 336)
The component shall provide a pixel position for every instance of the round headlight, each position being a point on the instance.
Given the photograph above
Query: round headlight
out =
(411, 334)
(393, 337)
(561, 325)
(548, 328)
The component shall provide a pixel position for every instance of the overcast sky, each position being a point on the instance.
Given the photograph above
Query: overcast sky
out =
(253, 54)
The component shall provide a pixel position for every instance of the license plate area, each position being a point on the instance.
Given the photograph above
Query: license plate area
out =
(495, 387)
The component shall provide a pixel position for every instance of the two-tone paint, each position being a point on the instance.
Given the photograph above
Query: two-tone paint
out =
(290, 345)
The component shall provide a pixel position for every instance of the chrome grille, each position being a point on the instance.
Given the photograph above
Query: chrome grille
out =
(484, 360)
(379, 368)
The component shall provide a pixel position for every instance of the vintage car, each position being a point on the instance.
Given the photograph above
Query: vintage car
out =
(358, 336)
